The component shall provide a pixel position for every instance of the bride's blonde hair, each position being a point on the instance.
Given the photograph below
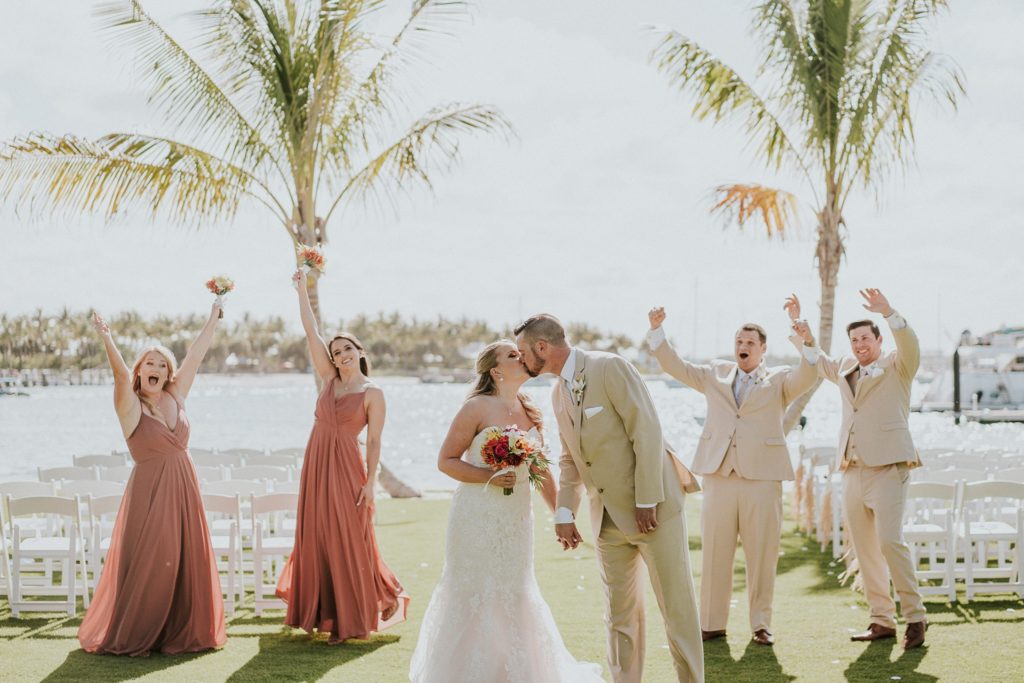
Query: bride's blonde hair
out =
(485, 385)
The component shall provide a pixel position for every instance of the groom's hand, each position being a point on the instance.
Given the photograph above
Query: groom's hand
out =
(647, 519)
(568, 536)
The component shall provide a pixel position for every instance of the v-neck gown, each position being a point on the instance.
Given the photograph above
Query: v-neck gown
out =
(335, 580)
(160, 588)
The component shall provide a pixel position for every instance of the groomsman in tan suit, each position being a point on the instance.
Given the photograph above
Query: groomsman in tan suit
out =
(743, 456)
(612, 446)
(876, 454)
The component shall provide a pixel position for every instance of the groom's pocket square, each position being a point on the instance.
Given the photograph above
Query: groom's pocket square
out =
(592, 411)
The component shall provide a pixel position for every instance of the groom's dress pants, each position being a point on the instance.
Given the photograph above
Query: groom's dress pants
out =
(750, 509)
(666, 554)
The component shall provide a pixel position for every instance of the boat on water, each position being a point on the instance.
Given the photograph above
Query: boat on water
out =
(985, 381)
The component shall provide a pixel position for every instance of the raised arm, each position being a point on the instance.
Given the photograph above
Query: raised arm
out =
(460, 436)
(186, 374)
(908, 349)
(375, 412)
(803, 377)
(803, 340)
(690, 374)
(125, 401)
(317, 346)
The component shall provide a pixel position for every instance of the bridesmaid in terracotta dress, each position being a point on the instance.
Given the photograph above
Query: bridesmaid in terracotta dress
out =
(335, 580)
(160, 589)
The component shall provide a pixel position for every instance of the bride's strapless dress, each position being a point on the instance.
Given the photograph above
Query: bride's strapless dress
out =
(487, 621)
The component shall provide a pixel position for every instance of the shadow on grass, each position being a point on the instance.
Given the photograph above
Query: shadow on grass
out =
(82, 666)
(289, 656)
(874, 664)
(979, 611)
(758, 664)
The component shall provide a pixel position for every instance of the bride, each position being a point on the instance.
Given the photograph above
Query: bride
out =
(486, 620)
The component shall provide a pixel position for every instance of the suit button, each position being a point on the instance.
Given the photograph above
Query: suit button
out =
(734, 444)
(600, 490)
(737, 414)
(855, 410)
(588, 463)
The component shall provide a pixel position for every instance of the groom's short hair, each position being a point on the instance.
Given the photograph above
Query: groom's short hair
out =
(542, 326)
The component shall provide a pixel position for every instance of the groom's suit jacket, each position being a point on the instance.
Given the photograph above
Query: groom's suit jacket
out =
(612, 444)
(752, 430)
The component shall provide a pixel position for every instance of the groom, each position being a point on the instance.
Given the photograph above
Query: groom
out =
(612, 445)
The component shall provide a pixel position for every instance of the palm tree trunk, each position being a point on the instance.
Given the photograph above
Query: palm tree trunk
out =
(829, 255)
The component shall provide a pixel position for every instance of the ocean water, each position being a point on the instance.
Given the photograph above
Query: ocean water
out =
(274, 411)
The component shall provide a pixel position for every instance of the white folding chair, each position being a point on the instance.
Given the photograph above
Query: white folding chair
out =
(947, 476)
(992, 512)
(929, 528)
(215, 473)
(287, 486)
(224, 516)
(70, 489)
(262, 473)
(71, 473)
(200, 451)
(216, 459)
(243, 452)
(271, 544)
(1010, 474)
(295, 451)
(234, 487)
(119, 473)
(113, 460)
(102, 511)
(287, 461)
(64, 546)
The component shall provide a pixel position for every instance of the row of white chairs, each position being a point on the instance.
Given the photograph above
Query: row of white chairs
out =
(964, 506)
(47, 534)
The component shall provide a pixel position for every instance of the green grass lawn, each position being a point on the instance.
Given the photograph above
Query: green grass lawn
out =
(813, 618)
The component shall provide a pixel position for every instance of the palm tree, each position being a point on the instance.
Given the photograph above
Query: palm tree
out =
(845, 79)
(292, 106)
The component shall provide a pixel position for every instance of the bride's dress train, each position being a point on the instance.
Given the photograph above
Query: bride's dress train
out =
(487, 620)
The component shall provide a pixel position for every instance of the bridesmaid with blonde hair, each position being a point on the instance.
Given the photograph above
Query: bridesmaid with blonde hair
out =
(160, 589)
(335, 581)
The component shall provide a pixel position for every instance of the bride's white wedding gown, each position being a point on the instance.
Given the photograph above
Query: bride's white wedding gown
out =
(487, 621)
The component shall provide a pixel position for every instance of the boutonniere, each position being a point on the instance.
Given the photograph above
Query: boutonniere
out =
(761, 374)
(876, 371)
(578, 385)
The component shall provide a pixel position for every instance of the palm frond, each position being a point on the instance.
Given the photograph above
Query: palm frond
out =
(740, 204)
(188, 95)
(118, 171)
(721, 93)
(373, 97)
(431, 142)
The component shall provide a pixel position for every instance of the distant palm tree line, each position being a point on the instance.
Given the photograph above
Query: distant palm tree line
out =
(67, 341)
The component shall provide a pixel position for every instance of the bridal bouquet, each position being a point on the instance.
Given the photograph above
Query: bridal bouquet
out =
(311, 258)
(508, 448)
(220, 285)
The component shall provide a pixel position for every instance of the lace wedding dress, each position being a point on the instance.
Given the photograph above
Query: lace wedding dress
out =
(487, 621)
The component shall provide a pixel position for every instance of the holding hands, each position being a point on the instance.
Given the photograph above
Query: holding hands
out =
(568, 535)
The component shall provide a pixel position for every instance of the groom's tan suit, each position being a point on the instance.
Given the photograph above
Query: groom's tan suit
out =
(612, 446)
(876, 454)
(743, 457)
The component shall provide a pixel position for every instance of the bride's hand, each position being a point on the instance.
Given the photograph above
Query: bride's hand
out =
(504, 481)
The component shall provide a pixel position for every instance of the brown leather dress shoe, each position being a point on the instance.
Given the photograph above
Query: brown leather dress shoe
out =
(914, 636)
(762, 637)
(874, 632)
(711, 635)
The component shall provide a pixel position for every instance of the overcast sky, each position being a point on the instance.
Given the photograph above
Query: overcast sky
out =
(597, 211)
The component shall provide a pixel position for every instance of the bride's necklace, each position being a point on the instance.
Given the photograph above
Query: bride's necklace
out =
(511, 408)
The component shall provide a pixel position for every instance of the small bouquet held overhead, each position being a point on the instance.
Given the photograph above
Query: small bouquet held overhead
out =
(312, 259)
(220, 285)
(508, 448)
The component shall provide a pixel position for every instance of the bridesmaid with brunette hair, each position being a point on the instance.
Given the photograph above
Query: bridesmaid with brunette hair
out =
(335, 580)
(160, 589)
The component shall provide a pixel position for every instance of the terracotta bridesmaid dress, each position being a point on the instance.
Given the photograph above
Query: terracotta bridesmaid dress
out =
(335, 580)
(160, 588)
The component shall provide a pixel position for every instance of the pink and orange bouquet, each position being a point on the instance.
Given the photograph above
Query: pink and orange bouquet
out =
(220, 285)
(312, 258)
(508, 448)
